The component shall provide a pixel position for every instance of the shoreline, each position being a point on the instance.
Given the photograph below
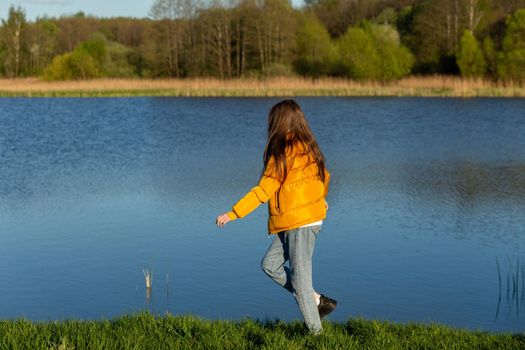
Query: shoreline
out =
(146, 330)
(424, 86)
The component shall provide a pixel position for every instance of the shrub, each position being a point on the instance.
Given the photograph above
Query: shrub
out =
(78, 64)
(374, 52)
(511, 61)
(470, 59)
(93, 58)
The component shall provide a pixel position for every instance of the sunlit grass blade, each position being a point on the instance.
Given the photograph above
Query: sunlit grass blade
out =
(149, 331)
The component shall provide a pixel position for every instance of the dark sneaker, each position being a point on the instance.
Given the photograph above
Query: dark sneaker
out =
(326, 306)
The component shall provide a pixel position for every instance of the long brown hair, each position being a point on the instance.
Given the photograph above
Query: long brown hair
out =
(287, 127)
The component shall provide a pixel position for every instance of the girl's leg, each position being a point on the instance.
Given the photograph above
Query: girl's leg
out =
(300, 243)
(273, 262)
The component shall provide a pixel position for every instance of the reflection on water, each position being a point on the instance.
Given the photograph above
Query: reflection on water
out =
(149, 302)
(425, 193)
(465, 182)
(468, 182)
(511, 282)
(149, 305)
(493, 190)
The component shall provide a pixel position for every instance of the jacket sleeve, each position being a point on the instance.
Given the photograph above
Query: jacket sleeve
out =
(257, 195)
(326, 182)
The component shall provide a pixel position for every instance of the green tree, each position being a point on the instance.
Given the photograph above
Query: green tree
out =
(75, 65)
(224, 38)
(14, 42)
(470, 59)
(387, 16)
(316, 53)
(95, 47)
(93, 58)
(117, 64)
(396, 59)
(275, 33)
(42, 42)
(175, 37)
(511, 61)
(374, 52)
(359, 56)
(438, 28)
(217, 23)
(490, 53)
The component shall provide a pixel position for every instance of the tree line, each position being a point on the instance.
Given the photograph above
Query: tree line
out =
(358, 39)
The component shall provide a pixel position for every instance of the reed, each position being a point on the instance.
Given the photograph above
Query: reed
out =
(442, 86)
(148, 276)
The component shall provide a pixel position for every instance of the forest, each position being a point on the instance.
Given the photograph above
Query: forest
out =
(358, 39)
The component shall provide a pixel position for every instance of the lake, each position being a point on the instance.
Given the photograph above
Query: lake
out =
(426, 220)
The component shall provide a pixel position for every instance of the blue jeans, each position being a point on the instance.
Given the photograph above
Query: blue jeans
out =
(295, 246)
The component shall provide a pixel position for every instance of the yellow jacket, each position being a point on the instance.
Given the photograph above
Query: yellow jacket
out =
(297, 201)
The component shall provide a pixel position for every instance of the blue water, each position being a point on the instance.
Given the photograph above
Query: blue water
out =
(426, 219)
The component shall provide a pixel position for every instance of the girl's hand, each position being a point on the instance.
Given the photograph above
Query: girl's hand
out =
(326, 205)
(222, 220)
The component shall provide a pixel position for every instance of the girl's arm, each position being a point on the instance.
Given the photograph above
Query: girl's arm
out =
(256, 196)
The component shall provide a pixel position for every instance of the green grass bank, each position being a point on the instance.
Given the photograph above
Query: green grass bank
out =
(147, 331)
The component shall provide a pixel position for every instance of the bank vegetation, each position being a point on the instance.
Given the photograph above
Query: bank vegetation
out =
(146, 331)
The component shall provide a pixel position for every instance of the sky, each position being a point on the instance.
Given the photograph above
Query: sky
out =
(100, 8)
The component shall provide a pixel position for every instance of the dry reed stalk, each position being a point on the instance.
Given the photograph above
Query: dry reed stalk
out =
(148, 276)
(278, 86)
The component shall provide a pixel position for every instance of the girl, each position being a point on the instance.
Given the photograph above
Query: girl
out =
(295, 182)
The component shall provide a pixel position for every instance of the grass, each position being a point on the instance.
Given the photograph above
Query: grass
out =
(442, 86)
(147, 331)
